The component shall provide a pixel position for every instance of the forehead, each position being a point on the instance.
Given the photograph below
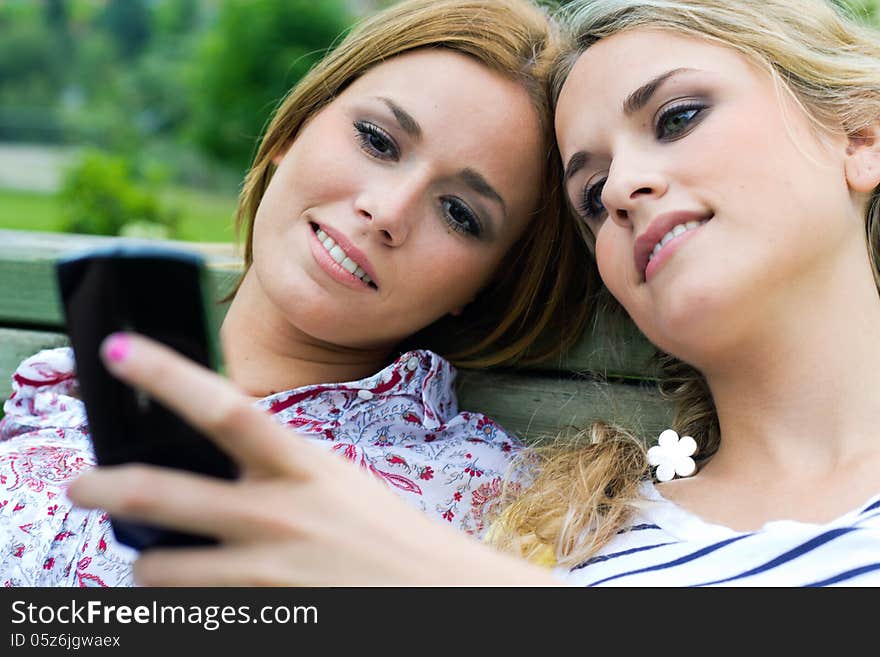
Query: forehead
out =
(440, 85)
(602, 78)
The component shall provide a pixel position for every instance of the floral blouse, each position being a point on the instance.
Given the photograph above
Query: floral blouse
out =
(402, 423)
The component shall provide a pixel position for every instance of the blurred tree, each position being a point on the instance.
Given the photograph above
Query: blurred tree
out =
(128, 23)
(31, 74)
(176, 17)
(102, 195)
(248, 60)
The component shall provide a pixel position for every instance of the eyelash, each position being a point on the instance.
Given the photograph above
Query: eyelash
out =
(471, 224)
(591, 194)
(368, 133)
(697, 110)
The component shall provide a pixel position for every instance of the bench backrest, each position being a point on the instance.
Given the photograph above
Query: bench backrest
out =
(597, 379)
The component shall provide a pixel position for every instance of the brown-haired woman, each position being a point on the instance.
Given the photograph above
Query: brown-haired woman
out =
(405, 191)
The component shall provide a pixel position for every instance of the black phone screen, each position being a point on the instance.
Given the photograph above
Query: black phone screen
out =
(158, 293)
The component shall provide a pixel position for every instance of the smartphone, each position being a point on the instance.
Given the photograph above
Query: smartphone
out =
(158, 292)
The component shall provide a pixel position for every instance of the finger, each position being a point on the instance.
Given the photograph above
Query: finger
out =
(205, 400)
(179, 500)
(241, 565)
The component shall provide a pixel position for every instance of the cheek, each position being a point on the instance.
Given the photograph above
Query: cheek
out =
(322, 164)
(613, 256)
(451, 276)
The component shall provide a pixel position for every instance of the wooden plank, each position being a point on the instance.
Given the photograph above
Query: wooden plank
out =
(612, 348)
(533, 407)
(16, 345)
(28, 291)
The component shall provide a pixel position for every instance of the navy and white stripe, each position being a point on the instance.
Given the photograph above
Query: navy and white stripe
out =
(667, 546)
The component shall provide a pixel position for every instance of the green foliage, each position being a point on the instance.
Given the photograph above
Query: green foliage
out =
(128, 21)
(204, 217)
(867, 11)
(248, 60)
(31, 71)
(102, 196)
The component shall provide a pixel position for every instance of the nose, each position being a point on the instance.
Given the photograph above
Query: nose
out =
(391, 209)
(630, 184)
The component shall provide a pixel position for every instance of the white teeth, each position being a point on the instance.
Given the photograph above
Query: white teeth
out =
(338, 254)
(680, 229)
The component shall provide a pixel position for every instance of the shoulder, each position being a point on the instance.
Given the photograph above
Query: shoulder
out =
(44, 395)
(45, 368)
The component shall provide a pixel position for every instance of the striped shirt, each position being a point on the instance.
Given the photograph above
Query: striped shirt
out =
(667, 546)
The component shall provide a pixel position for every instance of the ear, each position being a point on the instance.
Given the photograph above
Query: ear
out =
(862, 164)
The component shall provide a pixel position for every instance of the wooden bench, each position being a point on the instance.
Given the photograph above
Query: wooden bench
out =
(594, 380)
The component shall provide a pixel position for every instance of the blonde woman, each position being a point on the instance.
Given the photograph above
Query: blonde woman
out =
(723, 159)
(726, 179)
(406, 188)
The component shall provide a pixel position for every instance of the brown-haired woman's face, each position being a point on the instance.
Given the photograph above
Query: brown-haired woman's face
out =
(397, 201)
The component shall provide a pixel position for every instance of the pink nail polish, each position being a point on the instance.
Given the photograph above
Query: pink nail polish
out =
(117, 347)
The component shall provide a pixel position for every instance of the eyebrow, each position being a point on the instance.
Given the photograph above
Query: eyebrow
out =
(641, 96)
(575, 163)
(479, 184)
(407, 122)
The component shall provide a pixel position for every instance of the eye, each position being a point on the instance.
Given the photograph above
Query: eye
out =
(676, 121)
(460, 217)
(591, 207)
(375, 141)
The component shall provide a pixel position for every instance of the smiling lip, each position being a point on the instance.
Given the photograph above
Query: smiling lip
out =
(333, 268)
(659, 226)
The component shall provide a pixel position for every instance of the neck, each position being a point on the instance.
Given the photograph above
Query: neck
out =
(799, 399)
(265, 352)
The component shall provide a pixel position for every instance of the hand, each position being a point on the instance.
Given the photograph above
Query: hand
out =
(297, 516)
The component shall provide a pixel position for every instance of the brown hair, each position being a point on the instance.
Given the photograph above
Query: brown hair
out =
(533, 305)
(830, 65)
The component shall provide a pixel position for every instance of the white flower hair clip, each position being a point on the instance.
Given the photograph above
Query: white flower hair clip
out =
(672, 456)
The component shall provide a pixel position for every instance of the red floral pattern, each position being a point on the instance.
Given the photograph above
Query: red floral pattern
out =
(407, 432)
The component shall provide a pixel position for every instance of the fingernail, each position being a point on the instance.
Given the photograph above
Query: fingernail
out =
(117, 347)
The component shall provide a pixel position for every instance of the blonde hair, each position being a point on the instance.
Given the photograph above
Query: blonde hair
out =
(534, 294)
(583, 495)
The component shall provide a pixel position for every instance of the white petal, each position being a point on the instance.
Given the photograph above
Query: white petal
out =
(687, 446)
(685, 467)
(665, 472)
(668, 438)
(655, 455)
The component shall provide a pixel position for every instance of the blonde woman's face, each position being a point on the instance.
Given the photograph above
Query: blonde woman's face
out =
(717, 208)
(396, 202)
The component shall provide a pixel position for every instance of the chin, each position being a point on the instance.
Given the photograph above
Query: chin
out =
(691, 322)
